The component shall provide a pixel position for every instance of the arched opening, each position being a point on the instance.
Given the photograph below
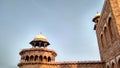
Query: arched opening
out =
(27, 58)
(106, 36)
(37, 44)
(110, 28)
(113, 65)
(42, 44)
(31, 58)
(49, 59)
(22, 59)
(108, 66)
(118, 63)
(36, 58)
(40, 58)
(102, 44)
(45, 58)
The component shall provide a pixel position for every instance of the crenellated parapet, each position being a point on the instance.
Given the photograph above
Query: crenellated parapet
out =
(76, 64)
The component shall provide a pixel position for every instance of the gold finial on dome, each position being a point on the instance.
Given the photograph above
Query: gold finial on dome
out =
(98, 14)
(40, 37)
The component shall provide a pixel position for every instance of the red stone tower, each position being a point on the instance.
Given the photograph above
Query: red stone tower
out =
(107, 26)
(37, 55)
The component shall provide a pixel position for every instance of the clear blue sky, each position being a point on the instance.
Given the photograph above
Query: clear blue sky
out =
(67, 24)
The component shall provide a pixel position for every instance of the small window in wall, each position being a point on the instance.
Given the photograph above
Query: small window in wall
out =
(31, 58)
(45, 58)
(49, 59)
(110, 27)
(40, 58)
(36, 58)
(102, 44)
(27, 58)
(105, 35)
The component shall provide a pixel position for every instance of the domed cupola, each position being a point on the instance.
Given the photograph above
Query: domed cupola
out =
(96, 20)
(39, 41)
